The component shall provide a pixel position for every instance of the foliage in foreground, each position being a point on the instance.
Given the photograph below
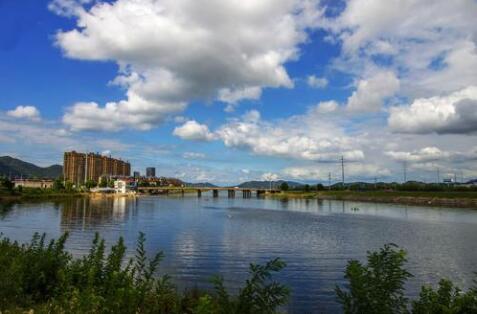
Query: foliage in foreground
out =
(378, 288)
(44, 277)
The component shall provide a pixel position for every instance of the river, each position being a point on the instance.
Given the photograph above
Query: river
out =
(205, 236)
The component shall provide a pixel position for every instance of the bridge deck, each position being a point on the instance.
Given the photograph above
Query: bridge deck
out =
(151, 188)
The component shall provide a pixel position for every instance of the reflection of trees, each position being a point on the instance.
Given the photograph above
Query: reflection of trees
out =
(5, 208)
(85, 212)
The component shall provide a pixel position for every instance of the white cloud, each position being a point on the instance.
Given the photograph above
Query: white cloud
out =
(352, 172)
(454, 113)
(135, 112)
(43, 136)
(25, 112)
(313, 136)
(316, 82)
(372, 92)
(192, 130)
(432, 154)
(325, 107)
(193, 155)
(173, 52)
(425, 154)
(431, 43)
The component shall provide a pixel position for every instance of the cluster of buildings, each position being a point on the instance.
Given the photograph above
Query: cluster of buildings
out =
(81, 167)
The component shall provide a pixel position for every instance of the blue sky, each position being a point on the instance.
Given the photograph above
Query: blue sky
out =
(233, 91)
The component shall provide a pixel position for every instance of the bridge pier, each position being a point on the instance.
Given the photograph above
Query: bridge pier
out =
(231, 193)
(182, 192)
(246, 193)
(215, 193)
(199, 193)
(260, 193)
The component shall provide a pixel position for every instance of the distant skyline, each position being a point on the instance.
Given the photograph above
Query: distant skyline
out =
(229, 91)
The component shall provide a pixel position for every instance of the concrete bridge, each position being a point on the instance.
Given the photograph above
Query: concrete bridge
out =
(231, 192)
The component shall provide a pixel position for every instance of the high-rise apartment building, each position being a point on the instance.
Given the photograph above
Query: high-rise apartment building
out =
(74, 167)
(150, 172)
(80, 167)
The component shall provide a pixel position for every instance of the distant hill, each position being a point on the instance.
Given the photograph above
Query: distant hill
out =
(10, 166)
(201, 185)
(266, 184)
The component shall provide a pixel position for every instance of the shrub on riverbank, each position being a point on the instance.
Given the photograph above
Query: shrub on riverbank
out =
(44, 277)
(378, 288)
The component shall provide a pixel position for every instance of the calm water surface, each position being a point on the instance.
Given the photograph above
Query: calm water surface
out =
(203, 237)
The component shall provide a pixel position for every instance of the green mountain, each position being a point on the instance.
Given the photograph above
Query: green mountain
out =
(13, 167)
(200, 185)
(266, 184)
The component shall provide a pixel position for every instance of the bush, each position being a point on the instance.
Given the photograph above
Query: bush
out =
(47, 279)
(446, 299)
(377, 287)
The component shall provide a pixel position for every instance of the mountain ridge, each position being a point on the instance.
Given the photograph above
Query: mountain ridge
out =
(14, 167)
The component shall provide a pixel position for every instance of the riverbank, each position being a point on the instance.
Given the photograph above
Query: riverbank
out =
(19, 197)
(438, 199)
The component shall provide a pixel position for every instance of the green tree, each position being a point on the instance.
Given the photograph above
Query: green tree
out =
(284, 186)
(69, 186)
(58, 185)
(103, 182)
(6, 184)
(90, 184)
(378, 287)
(447, 299)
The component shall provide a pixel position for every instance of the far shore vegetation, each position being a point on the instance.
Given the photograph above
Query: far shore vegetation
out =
(42, 277)
(412, 193)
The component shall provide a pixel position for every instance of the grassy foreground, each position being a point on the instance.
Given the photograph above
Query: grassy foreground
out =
(43, 278)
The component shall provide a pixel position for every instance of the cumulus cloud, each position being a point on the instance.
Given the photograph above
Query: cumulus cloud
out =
(455, 113)
(311, 136)
(432, 43)
(316, 82)
(352, 171)
(425, 154)
(372, 92)
(432, 154)
(172, 52)
(25, 112)
(192, 130)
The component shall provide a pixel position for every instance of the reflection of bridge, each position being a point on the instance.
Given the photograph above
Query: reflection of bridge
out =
(246, 192)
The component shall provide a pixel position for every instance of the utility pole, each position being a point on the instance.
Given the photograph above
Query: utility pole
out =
(438, 176)
(86, 168)
(375, 182)
(329, 180)
(342, 171)
(404, 169)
